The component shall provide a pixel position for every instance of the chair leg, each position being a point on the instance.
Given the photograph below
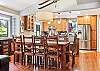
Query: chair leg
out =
(73, 60)
(26, 60)
(44, 61)
(22, 59)
(57, 62)
(48, 62)
(33, 60)
(14, 58)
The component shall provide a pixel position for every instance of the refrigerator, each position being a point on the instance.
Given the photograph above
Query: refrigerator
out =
(85, 36)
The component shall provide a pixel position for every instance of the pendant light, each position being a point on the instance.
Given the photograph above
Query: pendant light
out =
(59, 18)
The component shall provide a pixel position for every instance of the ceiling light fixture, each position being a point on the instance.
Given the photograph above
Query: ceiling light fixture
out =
(59, 18)
(49, 22)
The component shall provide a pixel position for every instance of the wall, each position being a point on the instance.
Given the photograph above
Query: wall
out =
(59, 27)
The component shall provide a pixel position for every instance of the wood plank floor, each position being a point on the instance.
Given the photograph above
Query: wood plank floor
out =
(87, 61)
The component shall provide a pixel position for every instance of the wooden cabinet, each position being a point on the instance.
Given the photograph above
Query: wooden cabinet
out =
(94, 44)
(28, 22)
(80, 20)
(94, 31)
(93, 20)
(45, 26)
(86, 20)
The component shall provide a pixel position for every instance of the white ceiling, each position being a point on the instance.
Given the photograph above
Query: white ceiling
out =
(27, 7)
(18, 4)
(74, 14)
(61, 5)
(86, 1)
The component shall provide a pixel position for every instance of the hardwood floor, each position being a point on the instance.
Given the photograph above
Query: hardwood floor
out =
(87, 61)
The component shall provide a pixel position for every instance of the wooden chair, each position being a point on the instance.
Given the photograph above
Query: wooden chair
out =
(6, 46)
(62, 38)
(53, 51)
(18, 49)
(72, 46)
(28, 49)
(40, 51)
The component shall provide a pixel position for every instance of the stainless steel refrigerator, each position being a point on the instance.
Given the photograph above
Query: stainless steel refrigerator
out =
(85, 36)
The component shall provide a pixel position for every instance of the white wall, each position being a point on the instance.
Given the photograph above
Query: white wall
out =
(17, 24)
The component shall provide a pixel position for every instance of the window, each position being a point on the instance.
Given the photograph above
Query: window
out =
(5, 22)
(3, 28)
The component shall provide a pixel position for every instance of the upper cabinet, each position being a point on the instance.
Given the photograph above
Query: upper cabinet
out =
(80, 20)
(87, 19)
(28, 22)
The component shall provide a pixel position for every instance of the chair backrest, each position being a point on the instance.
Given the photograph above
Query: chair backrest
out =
(52, 40)
(18, 45)
(52, 43)
(6, 47)
(62, 38)
(28, 43)
(39, 40)
(71, 38)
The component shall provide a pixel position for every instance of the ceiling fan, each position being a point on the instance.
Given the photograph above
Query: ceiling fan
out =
(50, 2)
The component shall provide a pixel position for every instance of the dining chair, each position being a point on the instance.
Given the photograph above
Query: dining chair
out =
(72, 46)
(6, 46)
(63, 40)
(53, 53)
(28, 42)
(40, 51)
(18, 49)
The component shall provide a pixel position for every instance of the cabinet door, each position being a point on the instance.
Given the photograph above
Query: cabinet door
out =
(94, 45)
(94, 20)
(45, 26)
(80, 20)
(86, 20)
(94, 35)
